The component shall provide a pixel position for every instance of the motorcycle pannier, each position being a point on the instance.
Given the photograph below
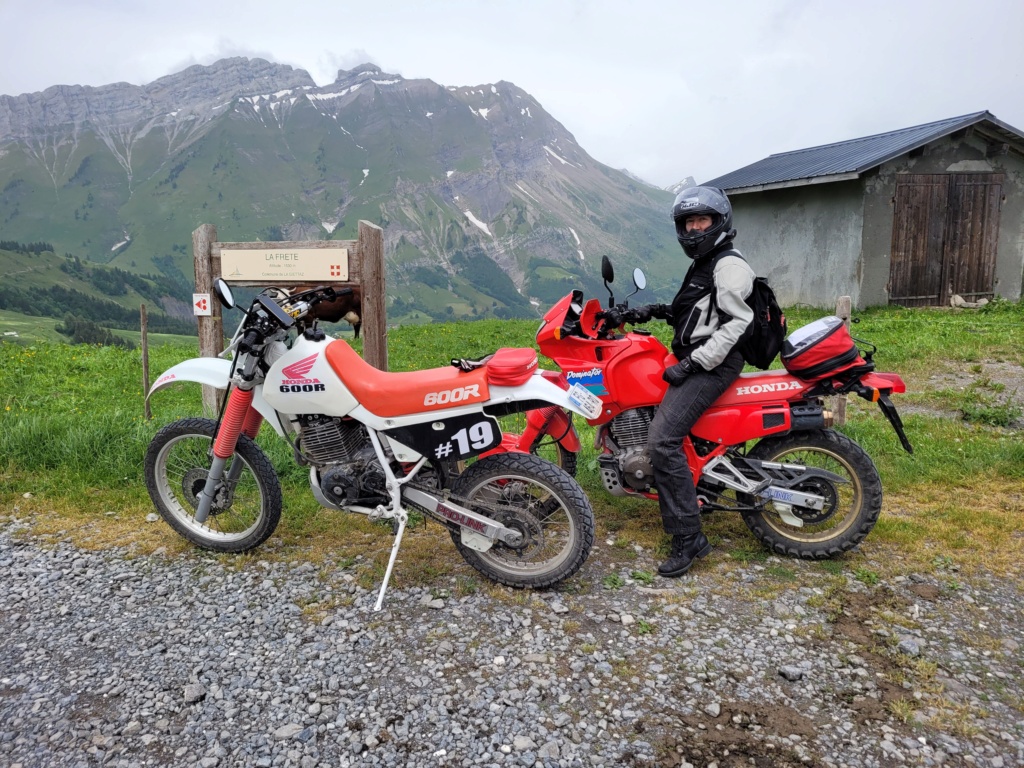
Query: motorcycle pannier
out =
(510, 367)
(819, 349)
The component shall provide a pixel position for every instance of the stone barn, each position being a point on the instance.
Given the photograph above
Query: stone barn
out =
(911, 217)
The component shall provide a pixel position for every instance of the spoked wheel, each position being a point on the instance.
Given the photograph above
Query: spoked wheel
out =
(546, 446)
(246, 508)
(850, 508)
(538, 500)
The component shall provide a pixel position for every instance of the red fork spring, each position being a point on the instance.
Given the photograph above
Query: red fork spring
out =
(231, 424)
(253, 421)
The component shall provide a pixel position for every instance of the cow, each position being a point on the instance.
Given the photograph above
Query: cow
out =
(348, 307)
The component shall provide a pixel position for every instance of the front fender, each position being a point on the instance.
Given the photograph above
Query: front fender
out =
(214, 372)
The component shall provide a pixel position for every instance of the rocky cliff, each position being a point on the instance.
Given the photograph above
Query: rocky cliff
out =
(488, 203)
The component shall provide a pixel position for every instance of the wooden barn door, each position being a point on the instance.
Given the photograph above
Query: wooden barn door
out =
(944, 236)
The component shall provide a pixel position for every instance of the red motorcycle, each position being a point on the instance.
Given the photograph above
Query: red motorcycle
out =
(764, 449)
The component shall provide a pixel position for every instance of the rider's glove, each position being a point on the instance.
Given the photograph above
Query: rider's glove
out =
(638, 315)
(612, 317)
(676, 374)
(647, 312)
(660, 311)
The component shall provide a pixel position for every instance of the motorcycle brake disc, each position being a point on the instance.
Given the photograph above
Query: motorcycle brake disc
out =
(192, 484)
(814, 516)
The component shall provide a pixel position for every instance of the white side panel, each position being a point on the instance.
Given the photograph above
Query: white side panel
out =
(302, 381)
(536, 388)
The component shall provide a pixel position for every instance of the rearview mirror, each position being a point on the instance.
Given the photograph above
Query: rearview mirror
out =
(223, 291)
(607, 273)
(639, 279)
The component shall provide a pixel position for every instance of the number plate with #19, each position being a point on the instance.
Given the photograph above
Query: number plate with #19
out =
(585, 400)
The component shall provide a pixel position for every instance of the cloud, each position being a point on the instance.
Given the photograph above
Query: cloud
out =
(330, 63)
(664, 89)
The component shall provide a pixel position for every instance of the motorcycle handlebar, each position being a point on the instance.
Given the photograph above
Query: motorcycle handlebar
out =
(249, 341)
(614, 317)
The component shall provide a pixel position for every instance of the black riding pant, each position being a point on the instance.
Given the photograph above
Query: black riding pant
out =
(679, 411)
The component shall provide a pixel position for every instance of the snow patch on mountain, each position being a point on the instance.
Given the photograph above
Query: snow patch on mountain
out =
(475, 221)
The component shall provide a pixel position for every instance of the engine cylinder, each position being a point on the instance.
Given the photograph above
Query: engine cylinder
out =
(331, 440)
(630, 428)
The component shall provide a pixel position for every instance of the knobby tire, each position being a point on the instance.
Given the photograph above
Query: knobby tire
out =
(176, 461)
(537, 497)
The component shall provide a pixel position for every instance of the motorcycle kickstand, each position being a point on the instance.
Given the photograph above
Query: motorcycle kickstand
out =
(402, 518)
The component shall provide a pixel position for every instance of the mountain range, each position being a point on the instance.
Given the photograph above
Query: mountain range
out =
(488, 204)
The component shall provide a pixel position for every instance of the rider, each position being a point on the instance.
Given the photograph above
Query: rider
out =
(709, 315)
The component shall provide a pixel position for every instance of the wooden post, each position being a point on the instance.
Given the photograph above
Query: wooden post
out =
(843, 311)
(375, 327)
(211, 329)
(143, 327)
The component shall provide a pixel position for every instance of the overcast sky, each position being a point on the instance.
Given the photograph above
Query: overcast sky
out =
(665, 89)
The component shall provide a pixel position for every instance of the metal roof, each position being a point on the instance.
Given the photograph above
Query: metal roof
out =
(848, 159)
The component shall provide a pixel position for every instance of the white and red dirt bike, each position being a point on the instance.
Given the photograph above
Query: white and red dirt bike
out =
(764, 449)
(376, 443)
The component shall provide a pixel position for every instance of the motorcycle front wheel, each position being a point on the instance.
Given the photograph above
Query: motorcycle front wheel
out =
(545, 446)
(247, 504)
(851, 508)
(540, 501)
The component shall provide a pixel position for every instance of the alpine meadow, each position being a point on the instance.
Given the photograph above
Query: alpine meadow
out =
(73, 434)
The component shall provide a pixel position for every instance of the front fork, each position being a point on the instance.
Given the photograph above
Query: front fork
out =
(553, 422)
(239, 418)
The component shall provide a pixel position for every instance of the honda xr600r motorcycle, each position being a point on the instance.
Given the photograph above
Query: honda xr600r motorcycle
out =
(376, 443)
(764, 449)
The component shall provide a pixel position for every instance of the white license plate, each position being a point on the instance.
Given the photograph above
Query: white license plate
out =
(585, 400)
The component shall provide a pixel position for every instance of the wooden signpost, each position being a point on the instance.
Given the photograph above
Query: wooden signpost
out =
(286, 265)
(843, 312)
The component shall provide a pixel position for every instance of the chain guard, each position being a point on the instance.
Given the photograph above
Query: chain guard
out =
(512, 516)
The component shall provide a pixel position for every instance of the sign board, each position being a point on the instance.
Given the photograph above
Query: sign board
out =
(284, 264)
(201, 305)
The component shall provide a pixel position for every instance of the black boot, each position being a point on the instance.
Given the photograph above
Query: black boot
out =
(685, 549)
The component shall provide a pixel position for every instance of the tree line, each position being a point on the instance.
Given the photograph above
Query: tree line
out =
(57, 301)
(16, 247)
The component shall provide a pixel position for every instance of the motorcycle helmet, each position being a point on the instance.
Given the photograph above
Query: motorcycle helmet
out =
(703, 201)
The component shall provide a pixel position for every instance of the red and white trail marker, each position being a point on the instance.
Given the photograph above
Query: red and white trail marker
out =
(201, 304)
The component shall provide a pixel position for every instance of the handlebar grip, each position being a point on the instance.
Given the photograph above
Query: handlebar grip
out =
(249, 340)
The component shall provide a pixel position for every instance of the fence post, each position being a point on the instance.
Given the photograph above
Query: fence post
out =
(144, 336)
(375, 327)
(843, 311)
(211, 329)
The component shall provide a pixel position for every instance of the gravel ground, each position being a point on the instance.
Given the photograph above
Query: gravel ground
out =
(138, 661)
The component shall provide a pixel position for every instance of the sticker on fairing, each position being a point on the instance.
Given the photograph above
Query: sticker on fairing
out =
(585, 400)
(592, 379)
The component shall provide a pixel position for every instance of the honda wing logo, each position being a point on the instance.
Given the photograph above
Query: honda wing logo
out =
(295, 376)
(300, 369)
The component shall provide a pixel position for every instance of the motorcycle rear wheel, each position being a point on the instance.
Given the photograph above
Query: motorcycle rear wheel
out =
(243, 516)
(851, 509)
(541, 501)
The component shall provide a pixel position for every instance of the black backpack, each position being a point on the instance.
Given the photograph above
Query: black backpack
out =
(762, 340)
